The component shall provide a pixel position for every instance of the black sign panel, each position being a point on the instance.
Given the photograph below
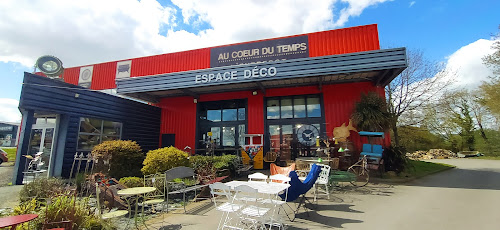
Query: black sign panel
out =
(259, 52)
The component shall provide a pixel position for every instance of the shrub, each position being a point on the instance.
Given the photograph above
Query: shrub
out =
(208, 165)
(395, 159)
(225, 162)
(41, 188)
(371, 114)
(124, 158)
(131, 182)
(161, 160)
(65, 207)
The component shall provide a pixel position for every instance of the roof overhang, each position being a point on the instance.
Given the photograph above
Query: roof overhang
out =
(378, 66)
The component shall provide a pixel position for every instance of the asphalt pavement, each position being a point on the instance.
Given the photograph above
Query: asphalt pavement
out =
(467, 197)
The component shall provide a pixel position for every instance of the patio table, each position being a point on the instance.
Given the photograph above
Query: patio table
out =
(134, 194)
(13, 221)
(270, 189)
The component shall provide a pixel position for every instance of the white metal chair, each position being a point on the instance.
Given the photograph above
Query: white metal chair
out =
(322, 180)
(276, 202)
(252, 214)
(227, 208)
(257, 177)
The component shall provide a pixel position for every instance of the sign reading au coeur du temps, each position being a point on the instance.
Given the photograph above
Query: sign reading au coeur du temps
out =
(259, 52)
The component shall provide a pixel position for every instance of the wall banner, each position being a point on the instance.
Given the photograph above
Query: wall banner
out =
(260, 52)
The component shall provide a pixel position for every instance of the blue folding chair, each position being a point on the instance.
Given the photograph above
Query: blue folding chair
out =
(298, 189)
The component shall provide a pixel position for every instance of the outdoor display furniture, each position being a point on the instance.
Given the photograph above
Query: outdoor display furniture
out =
(261, 193)
(157, 196)
(279, 178)
(132, 195)
(274, 169)
(174, 188)
(107, 215)
(323, 180)
(227, 208)
(13, 221)
(373, 152)
(298, 189)
(108, 189)
(257, 177)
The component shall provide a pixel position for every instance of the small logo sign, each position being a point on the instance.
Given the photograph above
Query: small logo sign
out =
(123, 69)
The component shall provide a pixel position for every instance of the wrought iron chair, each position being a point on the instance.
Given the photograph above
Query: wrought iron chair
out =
(323, 178)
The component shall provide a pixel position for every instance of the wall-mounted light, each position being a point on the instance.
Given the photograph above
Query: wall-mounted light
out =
(195, 101)
(254, 93)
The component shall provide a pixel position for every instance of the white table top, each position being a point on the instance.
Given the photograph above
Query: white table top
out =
(262, 187)
(135, 191)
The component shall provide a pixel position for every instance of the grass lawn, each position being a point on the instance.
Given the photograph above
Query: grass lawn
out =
(416, 170)
(488, 157)
(421, 168)
(11, 153)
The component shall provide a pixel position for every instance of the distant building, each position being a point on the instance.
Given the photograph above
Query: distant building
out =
(8, 134)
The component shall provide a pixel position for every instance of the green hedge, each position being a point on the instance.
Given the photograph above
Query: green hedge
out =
(161, 160)
(125, 158)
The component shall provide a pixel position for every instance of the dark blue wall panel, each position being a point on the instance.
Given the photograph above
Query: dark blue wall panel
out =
(141, 122)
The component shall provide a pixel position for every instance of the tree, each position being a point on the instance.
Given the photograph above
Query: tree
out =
(491, 90)
(493, 60)
(414, 89)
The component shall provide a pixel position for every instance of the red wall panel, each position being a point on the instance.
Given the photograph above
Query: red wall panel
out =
(339, 100)
(332, 42)
(171, 62)
(71, 75)
(100, 79)
(341, 41)
(178, 115)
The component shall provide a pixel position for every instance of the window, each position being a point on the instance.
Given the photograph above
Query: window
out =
(226, 120)
(94, 131)
(296, 107)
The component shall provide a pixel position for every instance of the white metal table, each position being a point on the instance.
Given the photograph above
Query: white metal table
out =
(270, 189)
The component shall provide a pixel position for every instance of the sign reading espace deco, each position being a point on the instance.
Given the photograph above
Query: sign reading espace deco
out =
(255, 72)
(260, 52)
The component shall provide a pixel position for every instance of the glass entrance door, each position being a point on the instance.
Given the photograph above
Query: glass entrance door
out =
(41, 145)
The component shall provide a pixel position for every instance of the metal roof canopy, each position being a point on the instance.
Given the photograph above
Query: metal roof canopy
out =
(378, 66)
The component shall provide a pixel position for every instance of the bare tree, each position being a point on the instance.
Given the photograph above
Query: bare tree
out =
(414, 89)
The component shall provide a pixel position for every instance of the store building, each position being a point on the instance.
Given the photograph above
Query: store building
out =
(290, 89)
(8, 134)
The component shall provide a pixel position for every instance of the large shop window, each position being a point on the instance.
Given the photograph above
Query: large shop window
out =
(94, 131)
(293, 124)
(226, 121)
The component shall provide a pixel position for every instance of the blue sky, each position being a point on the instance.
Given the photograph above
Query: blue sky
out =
(456, 33)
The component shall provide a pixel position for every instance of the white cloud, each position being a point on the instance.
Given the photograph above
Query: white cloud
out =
(93, 31)
(9, 111)
(412, 3)
(468, 65)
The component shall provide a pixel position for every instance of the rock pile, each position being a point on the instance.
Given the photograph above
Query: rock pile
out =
(432, 154)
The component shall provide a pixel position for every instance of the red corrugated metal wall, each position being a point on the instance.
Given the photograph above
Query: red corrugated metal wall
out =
(339, 100)
(340, 41)
(178, 115)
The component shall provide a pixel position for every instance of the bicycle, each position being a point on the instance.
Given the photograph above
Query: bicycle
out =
(360, 170)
